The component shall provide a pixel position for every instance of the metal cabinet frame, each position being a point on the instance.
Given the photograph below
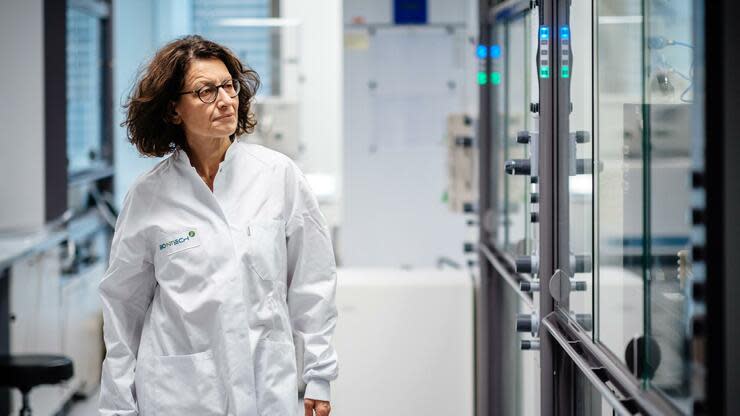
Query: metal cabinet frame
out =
(566, 350)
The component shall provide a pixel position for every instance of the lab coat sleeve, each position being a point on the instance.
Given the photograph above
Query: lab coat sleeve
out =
(126, 291)
(312, 282)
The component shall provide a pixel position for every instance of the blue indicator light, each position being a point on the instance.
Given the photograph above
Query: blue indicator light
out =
(495, 51)
(544, 33)
(481, 51)
(565, 33)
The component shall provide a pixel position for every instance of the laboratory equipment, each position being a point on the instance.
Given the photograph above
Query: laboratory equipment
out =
(462, 163)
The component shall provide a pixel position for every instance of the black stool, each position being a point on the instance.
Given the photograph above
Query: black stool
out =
(25, 372)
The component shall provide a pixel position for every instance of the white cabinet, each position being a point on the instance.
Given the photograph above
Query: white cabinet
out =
(56, 313)
(35, 300)
(405, 343)
(82, 323)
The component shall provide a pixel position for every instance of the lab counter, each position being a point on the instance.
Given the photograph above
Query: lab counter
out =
(48, 302)
(17, 245)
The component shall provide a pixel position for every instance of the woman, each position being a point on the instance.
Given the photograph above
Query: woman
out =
(221, 263)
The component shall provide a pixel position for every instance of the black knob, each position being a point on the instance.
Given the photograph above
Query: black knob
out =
(582, 263)
(468, 207)
(464, 141)
(583, 136)
(468, 247)
(524, 265)
(580, 286)
(534, 198)
(639, 364)
(523, 137)
(467, 120)
(518, 167)
(524, 323)
(530, 344)
(584, 166)
(534, 217)
(534, 107)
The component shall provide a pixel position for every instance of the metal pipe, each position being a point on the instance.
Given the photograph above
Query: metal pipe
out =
(506, 275)
(592, 357)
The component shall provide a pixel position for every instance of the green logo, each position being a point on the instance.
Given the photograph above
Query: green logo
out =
(191, 234)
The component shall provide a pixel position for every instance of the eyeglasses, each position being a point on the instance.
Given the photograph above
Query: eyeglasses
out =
(209, 93)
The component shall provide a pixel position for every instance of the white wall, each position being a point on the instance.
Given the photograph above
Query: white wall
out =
(134, 42)
(393, 184)
(22, 132)
(320, 93)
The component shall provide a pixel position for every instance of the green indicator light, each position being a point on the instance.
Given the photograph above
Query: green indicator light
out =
(482, 78)
(545, 72)
(496, 78)
(564, 71)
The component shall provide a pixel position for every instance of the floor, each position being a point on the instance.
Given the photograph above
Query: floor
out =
(87, 407)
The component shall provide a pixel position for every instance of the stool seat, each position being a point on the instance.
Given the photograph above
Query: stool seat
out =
(25, 372)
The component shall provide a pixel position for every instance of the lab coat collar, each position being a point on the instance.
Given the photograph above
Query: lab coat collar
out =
(181, 155)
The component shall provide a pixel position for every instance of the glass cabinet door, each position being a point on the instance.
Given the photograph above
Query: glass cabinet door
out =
(668, 119)
(578, 70)
(514, 84)
(647, 128)
(618, 222)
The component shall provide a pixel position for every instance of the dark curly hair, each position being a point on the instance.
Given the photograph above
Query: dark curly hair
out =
(150, 107)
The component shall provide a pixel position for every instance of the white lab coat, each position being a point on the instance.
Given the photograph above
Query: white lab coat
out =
(209, 294)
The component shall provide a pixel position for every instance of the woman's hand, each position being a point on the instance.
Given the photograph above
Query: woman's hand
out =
(321, 407)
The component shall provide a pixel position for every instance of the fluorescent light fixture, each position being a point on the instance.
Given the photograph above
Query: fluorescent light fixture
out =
(260, 22)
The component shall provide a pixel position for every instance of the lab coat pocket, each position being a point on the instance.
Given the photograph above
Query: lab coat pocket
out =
(267, 248)
(276, 378)
(188, 385)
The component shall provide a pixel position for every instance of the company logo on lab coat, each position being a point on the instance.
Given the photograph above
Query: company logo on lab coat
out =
(177, 241)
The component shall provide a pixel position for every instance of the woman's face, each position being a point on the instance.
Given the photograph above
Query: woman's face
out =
(205, 121)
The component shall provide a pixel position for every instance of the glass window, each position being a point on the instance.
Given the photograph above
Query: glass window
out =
(257, 46)
(85, 96)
